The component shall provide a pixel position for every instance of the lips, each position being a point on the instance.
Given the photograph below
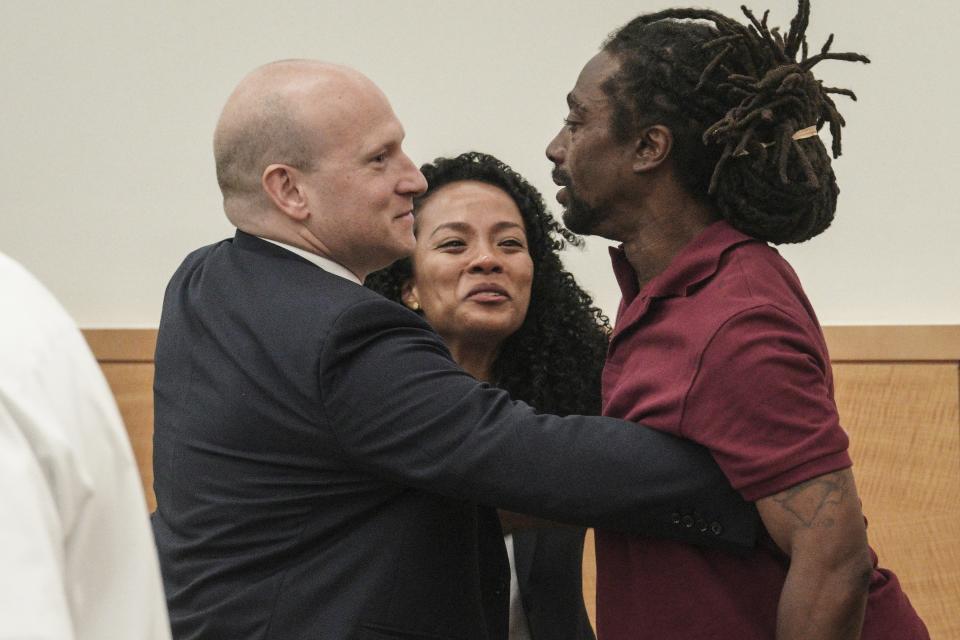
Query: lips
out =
(488, 292)
(561, 180)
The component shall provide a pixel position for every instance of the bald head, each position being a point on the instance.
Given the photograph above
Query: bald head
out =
(265, 121)
(311, 155)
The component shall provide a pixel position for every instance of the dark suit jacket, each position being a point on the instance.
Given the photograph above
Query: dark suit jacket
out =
(318, 458)
(548, 564)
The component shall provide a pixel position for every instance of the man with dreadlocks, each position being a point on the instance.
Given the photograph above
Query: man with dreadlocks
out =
(693, 140)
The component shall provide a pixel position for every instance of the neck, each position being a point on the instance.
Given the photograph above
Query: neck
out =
(665, 226)
(305, 239)
(475, 357)
(282, 229)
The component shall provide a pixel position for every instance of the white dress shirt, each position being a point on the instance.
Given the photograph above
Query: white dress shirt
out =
(519, 629)
(326, 264)
(77, 557)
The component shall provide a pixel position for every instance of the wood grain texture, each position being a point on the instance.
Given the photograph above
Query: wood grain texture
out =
(132, 386)
(898, 392)
(122, 345)
(853, 343)
(590, 576)
(904, 426)
(898, 344)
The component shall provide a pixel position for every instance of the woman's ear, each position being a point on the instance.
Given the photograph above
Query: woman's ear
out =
(408, 294)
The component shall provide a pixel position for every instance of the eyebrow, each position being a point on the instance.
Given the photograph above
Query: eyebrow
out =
(392, 140)
(463, 227)
(380, 147)
(574, 104)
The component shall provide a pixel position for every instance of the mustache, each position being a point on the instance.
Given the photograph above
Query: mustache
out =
(560, 178)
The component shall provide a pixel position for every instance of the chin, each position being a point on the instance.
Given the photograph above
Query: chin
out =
(577, 223)
(491, 328)
(580, 217)
(402, 249)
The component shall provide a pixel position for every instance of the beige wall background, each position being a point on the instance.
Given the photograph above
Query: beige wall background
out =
(106, 173)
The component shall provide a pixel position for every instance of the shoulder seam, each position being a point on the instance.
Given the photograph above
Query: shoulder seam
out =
(720, 327)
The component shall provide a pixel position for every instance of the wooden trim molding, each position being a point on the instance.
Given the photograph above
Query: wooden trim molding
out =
(921, 343)
(122, 345)
(918, 343)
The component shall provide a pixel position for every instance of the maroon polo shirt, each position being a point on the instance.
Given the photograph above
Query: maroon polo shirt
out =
(723, 348)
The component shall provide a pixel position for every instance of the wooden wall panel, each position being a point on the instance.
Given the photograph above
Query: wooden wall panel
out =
(122, 345)
(126, 358)
(898, 392)
(590, 576)
(904, 426)
(132, 386)
(927, 343)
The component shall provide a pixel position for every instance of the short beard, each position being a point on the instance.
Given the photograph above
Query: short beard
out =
(580, 217)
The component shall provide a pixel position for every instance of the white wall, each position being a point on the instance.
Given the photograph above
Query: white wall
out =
(106, 172)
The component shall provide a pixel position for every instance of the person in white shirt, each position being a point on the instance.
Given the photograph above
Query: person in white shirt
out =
(77, 558)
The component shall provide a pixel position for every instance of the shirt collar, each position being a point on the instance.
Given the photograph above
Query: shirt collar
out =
(696, 262)
(326, 264)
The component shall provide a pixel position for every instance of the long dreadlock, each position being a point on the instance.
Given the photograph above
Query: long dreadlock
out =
(740, 90)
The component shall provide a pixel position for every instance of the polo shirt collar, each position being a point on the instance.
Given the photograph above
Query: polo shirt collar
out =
(696, 262)
(326, 264)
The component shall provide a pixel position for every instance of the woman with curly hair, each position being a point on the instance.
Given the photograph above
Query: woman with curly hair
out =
(487, 276)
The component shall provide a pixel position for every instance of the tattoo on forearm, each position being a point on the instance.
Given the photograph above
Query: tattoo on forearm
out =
(807, 500)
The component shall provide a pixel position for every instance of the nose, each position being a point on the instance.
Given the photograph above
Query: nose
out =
(412, 183)
(485, 261)
(556, 151)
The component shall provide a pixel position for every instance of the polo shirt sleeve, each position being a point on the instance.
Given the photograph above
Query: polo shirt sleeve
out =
(762, 401)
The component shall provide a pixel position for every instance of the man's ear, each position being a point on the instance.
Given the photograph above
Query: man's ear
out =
(652, 148)
(408, 295)
(282, 185)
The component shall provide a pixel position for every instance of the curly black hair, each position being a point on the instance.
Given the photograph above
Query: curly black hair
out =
(740, 90)
(554, 360)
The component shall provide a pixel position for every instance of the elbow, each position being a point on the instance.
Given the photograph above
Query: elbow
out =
(849, 571)
(856, 571)
(861, 573)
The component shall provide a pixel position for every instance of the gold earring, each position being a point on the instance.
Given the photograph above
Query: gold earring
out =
(414, 305)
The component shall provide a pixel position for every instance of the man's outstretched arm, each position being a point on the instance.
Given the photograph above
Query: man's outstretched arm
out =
(404, 411)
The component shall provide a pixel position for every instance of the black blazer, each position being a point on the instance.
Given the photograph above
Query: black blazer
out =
(318, 459)
(549, 563)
